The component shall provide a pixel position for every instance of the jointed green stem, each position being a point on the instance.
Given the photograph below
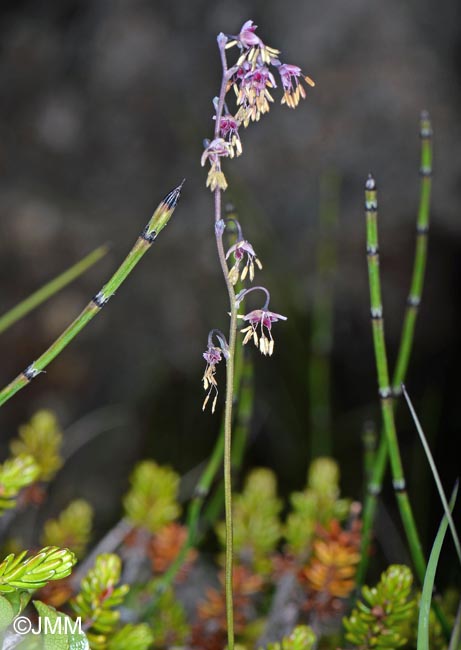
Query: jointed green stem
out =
(158, 221)
(406, 339)
(385, 392)
(48, 290)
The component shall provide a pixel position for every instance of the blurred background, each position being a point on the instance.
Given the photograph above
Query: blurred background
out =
(103, 109)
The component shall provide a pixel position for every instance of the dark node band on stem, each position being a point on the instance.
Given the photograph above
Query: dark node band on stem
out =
(422, 230)
(100, 300)
(425, 172)
(385, 392)
(31, 372)
(413, 301)
(370, 183)
(399, 485)
(200, 492)
(374, 489)
(371, 206)
(372, 250)
(376, 313)
(396, 391)
(148, 236)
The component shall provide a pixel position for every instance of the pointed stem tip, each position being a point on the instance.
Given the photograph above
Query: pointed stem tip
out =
(172, 198)
(370, 183)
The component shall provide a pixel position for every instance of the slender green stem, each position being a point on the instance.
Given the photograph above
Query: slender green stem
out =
(243, 409)
(321, 338)
(158, 221)
(385, 393)
(406, 339)
(48, 290)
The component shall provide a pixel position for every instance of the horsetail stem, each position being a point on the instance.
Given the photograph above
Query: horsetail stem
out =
(157, 222)
(50, 288)
(419, 265)
(385, 393)
(407, 335)
(321, 339)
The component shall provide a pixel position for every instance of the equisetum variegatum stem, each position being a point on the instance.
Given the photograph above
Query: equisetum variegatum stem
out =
(156, 224)
(375, 481)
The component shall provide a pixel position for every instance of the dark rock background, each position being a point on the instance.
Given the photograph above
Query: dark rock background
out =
(103, 108)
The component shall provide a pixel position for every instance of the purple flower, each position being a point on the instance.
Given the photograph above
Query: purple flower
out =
(262, 319)
(229, 131)
(290, 76)
(212, 356)
(247, 36)
(241, 250)
(252, 89)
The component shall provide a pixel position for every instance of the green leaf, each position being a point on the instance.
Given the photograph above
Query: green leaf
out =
(6, 613)
(426, 596)
(59, 631)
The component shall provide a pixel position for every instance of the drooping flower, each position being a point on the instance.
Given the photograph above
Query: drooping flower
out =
(212, 356)
(214, 151)
(262, 319)
(241, 250)
(290, 76)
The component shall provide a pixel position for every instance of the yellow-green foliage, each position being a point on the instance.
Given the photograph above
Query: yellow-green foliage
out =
(97, 599)
(42, 439)
(15, 474)
(319, 503)
(257, 528)
(131, 637)
(71, 529)
(383, 621)
(168, 624)
(19, 573)
(152, 499)
(302, 638)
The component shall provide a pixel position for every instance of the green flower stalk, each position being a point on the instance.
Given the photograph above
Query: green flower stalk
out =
(156, 224)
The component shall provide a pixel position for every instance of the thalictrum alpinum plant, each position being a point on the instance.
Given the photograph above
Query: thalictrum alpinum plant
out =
(251, 78)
